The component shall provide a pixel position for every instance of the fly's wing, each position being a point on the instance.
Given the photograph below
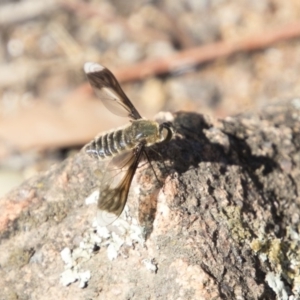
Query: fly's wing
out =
(115, 186)
(108, 89)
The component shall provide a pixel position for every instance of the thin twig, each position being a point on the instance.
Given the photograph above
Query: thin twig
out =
(197, 55)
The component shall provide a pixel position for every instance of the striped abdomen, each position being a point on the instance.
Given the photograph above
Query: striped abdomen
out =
(110, 144)
(138, 132)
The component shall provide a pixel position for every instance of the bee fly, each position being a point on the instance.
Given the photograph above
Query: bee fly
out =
(123, 146)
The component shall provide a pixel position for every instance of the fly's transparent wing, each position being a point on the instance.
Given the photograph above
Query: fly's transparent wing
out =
(115, 186)
(108, 89)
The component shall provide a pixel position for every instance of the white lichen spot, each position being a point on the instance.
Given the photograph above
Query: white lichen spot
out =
(67, 277)
(84, 277)
(92, 198)
(114, 246)
(66, 256)
(149, 264)
(277, 285)
(103, 232)
(263, 257)
(75, 259)
(294, 235)
(112, 252)
(136, 234)
(112, 237)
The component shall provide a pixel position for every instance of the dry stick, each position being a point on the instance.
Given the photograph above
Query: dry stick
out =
(192, 56)
(201, 54)
(197, 55)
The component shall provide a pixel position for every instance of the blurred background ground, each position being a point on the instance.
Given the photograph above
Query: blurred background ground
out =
(47, 109)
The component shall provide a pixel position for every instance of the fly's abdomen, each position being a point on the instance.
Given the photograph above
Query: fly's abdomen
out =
(110, 144)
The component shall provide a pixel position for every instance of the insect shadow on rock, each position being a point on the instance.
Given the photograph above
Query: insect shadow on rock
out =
(124, 146)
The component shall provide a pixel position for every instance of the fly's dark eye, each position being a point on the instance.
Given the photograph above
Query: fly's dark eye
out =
(166, 131)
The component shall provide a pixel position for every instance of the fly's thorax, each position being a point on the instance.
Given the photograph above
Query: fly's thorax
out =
(149, 132)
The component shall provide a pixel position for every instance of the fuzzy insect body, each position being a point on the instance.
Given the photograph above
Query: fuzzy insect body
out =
(124, 146)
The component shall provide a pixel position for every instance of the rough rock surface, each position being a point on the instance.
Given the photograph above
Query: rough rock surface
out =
(224, 225)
